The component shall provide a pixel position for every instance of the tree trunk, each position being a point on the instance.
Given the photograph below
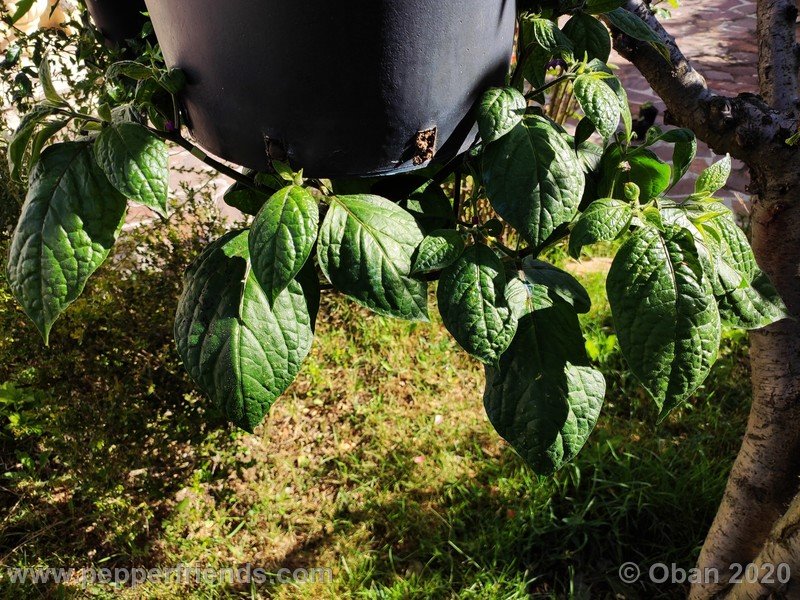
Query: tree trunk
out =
(764, 478)
(753, 523)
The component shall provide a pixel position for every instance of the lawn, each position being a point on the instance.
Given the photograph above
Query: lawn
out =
(379, 462)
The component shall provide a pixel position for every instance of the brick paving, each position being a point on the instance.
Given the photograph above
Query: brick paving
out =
(719, 39)
(718, 36)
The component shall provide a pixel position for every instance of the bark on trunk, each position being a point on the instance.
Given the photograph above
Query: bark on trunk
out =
(764, 478)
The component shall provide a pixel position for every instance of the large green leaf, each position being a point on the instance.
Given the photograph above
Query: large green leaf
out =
(135, 162)
(753, 306)
(245, 199)
(543, 398)
(603, 220)
(69, 222)
(533, 179)
(589, 37)
(499, 111)
(473, 304)
(242, 350)
(640, 166)
(366, 247)
(282, 237)
(664, 312)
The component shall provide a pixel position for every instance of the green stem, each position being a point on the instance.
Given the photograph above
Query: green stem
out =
(199, 154)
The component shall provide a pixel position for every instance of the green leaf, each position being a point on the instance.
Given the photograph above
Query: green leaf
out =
(683, 153)
(546, 34)
(561, 286)
(599, 103)
(20, 139)
(366, 245)
(640, 166)
(69, 222)
(533, 179)
(471, 298)
(631, 25)
(131, 69)
(46, 79)
(45, 133)
(438, 250)
(726, 257)
(247, 200)
(713, 178)
(22, 9)
(589, 37)
(282, 237)
(664, 313)
(597, 7)
(240, 349)
(136, 163)
(737, 251)
(543, 398)
(602, 221)
(499, 111)
(754, 306)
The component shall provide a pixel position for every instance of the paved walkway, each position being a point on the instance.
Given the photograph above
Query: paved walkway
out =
(718, 36)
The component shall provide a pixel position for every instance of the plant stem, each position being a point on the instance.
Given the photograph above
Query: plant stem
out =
(547, 86)
(199, 154)
(457, 195)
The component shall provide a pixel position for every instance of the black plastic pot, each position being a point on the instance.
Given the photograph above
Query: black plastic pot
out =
(354, 87)
(117, 20)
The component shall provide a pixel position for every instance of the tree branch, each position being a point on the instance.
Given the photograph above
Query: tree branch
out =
(777, 64)
(744, 126)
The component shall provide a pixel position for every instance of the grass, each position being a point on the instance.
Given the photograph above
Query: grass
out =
(379, 463)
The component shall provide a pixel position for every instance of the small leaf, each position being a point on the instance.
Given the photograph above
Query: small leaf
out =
(713, 178)
(546, 34)
(499, 111)
(46, 79)
(21, 138)
(631, 25)
(242, 350)
(22, 9)
(602, 221)
(438, 250)
(366, 245)
(471, 298)
(560, 285)
(282, 237)
(533, 179)
(599, 103)
(131, 69)
(135, 162)
(70, 220)
(543, 398)
(664, 312)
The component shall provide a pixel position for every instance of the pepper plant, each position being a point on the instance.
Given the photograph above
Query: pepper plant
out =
(246, 318)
